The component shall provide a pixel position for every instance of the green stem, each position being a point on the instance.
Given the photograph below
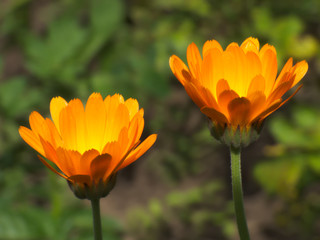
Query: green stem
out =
(95, 204)
(237, 193)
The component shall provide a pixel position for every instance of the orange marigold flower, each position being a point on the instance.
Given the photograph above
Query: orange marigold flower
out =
(236, 88)
(89, 145)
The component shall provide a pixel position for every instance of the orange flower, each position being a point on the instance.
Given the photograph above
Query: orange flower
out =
(238, 87)
(89, 145)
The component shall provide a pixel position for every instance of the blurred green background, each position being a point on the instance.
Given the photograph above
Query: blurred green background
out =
(181, 189)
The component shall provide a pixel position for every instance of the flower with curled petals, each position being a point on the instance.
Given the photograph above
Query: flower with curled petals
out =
(89, 144)
(236, 88)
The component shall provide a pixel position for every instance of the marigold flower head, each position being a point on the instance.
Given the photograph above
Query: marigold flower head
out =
(236, 88)
(89, 145)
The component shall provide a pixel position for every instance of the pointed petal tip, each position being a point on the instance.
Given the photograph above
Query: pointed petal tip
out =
(118, 97)
(21, 128)
(153, 138)
(95, 95)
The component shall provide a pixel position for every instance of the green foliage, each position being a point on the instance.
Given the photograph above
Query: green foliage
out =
(15, 104)
(73, 47)
(197, 212)
(35, 223)
(285, 34)
(58, 221)
(280, 176)
(295, 159)
(68, 47)
(292, 170)
(180, 163)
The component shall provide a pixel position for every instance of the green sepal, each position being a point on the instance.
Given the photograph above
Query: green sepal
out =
(95, 190)
(235, 137)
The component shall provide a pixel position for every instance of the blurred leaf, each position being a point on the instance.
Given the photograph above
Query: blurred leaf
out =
(199, 7)
(314, 162)
(1, 65)
(305, 47)
(287, 134)
(294, 164)
(10, 6)
(32, 219)
(305, 116)
(183, 199)
(155, 208)
(68, 47)
(191, 207)
(280, 176)
(48, 57)
(16, 97)
(105, 17)
(262, 20)
(285, 30)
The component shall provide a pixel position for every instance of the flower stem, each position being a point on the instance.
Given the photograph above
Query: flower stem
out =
(237, 193)
(95, 204)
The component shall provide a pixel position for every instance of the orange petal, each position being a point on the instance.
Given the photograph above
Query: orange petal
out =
(250, 44)
(55, 140)
(222, 85)
(270, 109)
(100, 167)
(86, 159)
(280, 91)
(76, 109)
(38, 125)
(113, 149)
(194, 60)
(50, 153)
(224, 99)
(69, 161)
(209, 45)
(68, 129)
(112, 103)
(212, 70)
(257, 85)
(132, 106)
(301, 69)
(115, 99)
(115, 122)
(295, 92)
(280, 79)
(179, 69)
(232, 45)
(50, 167)
(254, 66)
(81, 179)
(56, 105)
(30, 138)
(278, 104)
(214, 115)
(266, 48)
(135, 130)
(239, 109)
(258, 102)
(139, 151)
(95, 116)
(236, 69)
(208, 97)
(195, 95)
(123, 141)
(269, 66)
